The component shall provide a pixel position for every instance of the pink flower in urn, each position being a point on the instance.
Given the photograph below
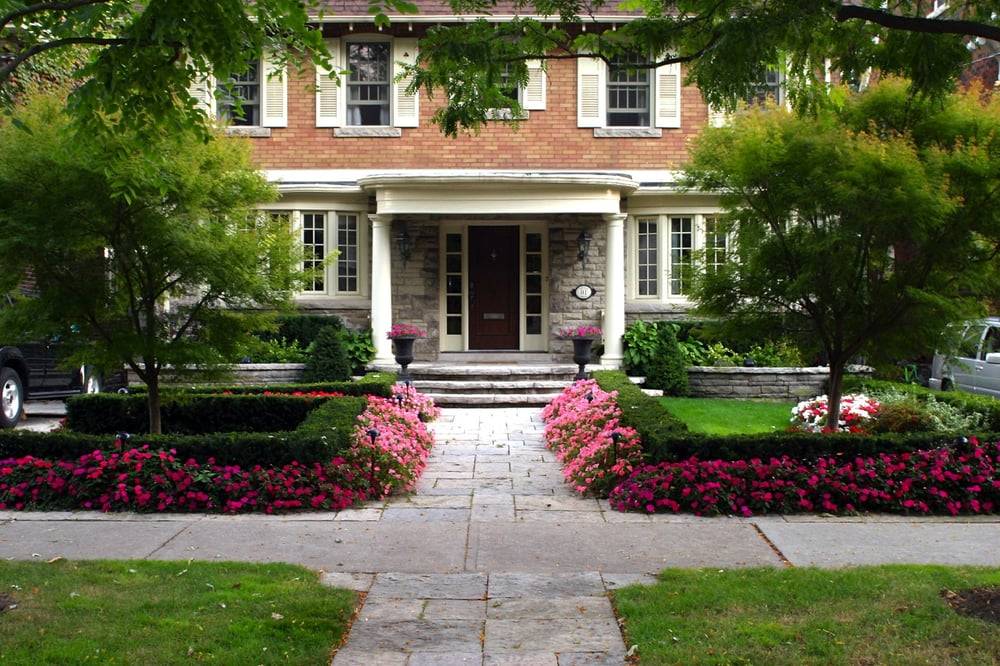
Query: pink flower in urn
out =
(580, 332)
(406, 331)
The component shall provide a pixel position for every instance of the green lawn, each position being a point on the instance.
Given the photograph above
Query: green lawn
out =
(868, 615)
(139, 612)
(721, 416)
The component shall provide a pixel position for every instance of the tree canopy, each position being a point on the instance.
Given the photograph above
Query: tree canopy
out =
(148, 248)
(867, 229)
(139, 59)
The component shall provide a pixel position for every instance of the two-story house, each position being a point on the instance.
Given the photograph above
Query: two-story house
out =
(492, 241)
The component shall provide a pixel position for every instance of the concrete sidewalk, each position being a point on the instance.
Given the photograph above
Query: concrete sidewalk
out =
(493, 560)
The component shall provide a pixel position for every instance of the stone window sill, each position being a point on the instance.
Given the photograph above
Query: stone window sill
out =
(252, 132)
(368, 132)
(345, 302)
(505, 114)
(627, 132)
(657, 307)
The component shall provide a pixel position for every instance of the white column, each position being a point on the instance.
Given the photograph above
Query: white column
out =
(381, 286)
(614, 291)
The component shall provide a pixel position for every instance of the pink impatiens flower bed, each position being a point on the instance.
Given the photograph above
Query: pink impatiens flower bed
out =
(963, 479)
(582, 426)
(139, 478)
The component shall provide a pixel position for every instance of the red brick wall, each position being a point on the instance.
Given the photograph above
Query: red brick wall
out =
(549, 139)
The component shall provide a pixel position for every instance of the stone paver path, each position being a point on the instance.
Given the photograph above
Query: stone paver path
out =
(487, 466)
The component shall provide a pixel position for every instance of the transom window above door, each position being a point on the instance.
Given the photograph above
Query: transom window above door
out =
(629, 92)
(369, 83)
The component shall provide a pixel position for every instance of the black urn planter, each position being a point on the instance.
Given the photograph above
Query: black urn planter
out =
(582, 350)
(402, 349)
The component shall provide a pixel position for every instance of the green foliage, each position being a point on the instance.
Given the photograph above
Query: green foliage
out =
(169, 613)
(726, 46)
(328, 361)
(974, 411)
(189, 414)
(674, 445)
(360, 349)
(335, 418)
(701, 345)
(374, 383)
(113, 225)
(639, 410)
(867, 229)
(668, 368)
(302, 328)
(902, 416)
(272, 350)
(641, 343)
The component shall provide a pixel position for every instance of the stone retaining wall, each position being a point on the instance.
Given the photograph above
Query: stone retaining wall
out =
(740, 382)
(243, 374)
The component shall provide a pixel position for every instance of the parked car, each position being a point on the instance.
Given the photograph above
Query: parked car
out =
(32, 371)
(976, 366)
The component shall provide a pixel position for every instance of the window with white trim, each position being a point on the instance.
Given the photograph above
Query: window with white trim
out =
(629, 92)
(244, 87)
(681, 252)
(771, 88)
(664, 249)
(348, 251)
(369, 83)
(647, 261)
(314, 251)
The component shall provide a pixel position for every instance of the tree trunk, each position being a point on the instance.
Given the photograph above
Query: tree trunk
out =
(153, 400)
(833, 393)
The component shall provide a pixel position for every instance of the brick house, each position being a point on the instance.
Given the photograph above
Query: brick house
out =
(491, 242)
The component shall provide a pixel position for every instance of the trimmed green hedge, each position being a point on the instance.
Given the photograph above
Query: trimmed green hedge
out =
(188, 414)
(639, 411)
(800, 445)
(967, 402)
(322, 436)
(374, 383)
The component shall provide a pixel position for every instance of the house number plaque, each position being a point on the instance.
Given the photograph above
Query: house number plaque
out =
(583, 292)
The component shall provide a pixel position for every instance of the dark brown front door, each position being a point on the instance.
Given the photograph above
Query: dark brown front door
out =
(493, 273)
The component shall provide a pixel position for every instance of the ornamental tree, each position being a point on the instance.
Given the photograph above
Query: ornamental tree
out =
(148, 249)
(865, 229)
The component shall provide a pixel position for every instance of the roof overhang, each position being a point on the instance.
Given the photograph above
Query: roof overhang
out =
(498, 192)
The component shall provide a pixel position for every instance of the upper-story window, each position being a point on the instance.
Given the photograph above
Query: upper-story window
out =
(629, 92)
(772, 87)
(369, 83)
(510, 89)
(246, 88)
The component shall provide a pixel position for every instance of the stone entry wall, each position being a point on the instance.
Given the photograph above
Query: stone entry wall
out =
(740, 382)
(567, 272)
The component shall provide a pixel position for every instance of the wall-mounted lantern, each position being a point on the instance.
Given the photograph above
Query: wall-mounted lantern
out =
(583, 246)
(405, 244)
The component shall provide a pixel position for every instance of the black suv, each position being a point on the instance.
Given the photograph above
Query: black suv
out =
(32, 371)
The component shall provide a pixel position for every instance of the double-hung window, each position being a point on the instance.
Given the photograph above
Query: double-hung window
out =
(369, 83)
(245, 88)
(629, 92)
(772, 87)
(665, 249)
(333, 252)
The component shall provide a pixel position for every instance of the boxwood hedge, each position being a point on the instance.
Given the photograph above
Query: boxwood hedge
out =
(640, 411)
(322, 436)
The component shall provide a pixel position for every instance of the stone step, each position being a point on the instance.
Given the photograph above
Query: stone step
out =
(491, 399)
(491, 386)
(487, 372)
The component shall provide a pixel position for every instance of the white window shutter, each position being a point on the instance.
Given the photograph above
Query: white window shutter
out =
(668, 95)
(331, 91)
(202, 89)
(534, 92)
(274, 94)
(591, 96)
(405, 107)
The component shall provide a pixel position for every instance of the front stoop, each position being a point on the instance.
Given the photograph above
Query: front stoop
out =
(490, 384)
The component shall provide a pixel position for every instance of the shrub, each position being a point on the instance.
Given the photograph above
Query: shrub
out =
(963, 479)
(328, 361)
(374, 383)
(967, 403)
(188, 413)
(359, 347)
(303, 328)
(902, 416)
(272, 350)
(641, 344)
(856, 413)
(668, 369)
(639, 411)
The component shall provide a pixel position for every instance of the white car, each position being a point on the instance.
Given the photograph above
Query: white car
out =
(976, 367)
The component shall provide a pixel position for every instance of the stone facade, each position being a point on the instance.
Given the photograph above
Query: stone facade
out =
(416, 283)
(566, 272)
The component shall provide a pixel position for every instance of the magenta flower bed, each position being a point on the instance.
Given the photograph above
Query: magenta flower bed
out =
(951, 481)
(581, 426)
(140, 479)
